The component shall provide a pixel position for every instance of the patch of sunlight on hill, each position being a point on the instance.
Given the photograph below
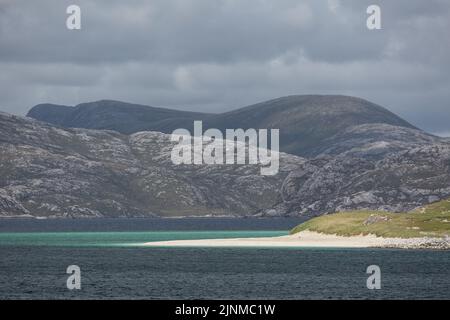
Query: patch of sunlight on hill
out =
(429, 221)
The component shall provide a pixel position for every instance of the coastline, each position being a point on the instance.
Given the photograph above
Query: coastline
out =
(308, 239)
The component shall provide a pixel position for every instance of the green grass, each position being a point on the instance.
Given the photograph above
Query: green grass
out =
(430, 221)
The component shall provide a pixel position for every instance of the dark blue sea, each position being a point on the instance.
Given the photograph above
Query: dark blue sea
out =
(34, 256)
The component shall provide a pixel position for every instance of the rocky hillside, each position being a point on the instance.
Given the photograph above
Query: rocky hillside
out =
(398, 171)
(305, 122)
(360, 156)
(52, 172)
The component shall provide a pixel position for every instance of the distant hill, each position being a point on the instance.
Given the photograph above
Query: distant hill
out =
(306, 122)
(119, 116)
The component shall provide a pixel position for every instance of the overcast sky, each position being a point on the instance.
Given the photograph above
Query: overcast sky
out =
(218, 55)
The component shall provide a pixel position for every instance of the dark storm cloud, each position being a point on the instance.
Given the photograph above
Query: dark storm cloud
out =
(215, 55)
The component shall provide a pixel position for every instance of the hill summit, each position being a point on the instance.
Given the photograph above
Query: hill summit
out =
(305, 121)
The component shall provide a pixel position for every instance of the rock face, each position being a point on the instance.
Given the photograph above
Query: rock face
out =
(370, 166)
(305, 122)
(53, 172)
(403, 170)
(375, 141)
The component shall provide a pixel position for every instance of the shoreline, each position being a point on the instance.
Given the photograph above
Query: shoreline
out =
(308, 239)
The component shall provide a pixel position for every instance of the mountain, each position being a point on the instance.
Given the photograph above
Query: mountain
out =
(123, 117)
(359, 157)
(401, 170)
(305, 121)
(47, 171)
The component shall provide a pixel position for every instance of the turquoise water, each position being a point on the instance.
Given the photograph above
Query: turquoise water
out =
(119, 239)
(35, 254)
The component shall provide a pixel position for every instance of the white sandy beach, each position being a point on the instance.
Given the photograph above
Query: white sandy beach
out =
(302, 239)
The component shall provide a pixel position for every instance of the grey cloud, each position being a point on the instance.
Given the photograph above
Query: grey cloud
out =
(185, 31)
(217, 55)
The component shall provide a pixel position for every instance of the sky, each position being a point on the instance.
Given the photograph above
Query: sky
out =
(219, 55)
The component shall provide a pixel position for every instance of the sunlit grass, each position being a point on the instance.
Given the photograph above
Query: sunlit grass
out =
(430, 221)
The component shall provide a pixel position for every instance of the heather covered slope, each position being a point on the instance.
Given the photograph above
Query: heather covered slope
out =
(306, 122)
(126, 118)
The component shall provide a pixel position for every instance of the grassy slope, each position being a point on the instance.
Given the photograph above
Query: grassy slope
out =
(432, 221)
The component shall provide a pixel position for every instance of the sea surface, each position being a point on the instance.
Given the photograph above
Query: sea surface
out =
(34, 256)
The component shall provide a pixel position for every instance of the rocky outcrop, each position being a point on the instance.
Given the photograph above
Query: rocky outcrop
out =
(391, 175)
(53, 172)
(419, 243)
(375, 141)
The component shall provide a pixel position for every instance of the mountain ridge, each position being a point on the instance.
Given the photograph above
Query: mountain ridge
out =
(358, 156)
(305, 121)
(49, 171)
